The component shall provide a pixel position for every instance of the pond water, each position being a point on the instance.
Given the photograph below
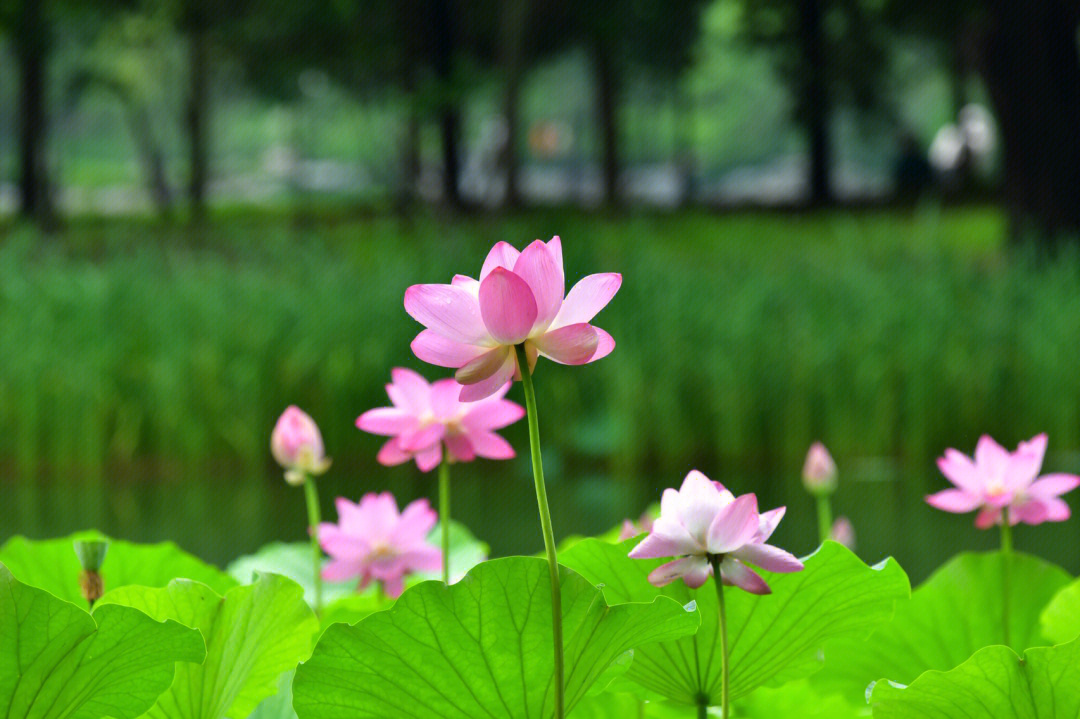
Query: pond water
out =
(218, 513)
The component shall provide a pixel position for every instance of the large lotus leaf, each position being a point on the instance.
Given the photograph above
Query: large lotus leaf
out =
(478, 648)
(771, 639)
(253, 635)
(995, 683)
(278, 706)
(1061, 618)
(627, 706)
(51, 564)
(956, 612)
(60, 662)
(796, 699)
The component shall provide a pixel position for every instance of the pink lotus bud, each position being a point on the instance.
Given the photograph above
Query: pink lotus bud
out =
(843, 532)
(297, 446)
(819, 472)
(631, 529)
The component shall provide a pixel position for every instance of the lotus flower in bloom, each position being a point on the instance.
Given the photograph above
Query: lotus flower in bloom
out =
(473, 325)
(819, 471)
(373, 541)
(297, 445)
(1003, 485)
(425, 418)
(701, 521)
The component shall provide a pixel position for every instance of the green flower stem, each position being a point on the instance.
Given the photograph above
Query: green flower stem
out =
(444, 516)
(1006, 570)
(545, 524)
(311, 494)
(824, 517)
(725, 670)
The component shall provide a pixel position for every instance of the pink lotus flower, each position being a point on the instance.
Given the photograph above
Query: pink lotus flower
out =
(1003, 485)
(631, 529)
(297, 445)
(473, 325)
(372, 541)
(426, 417)
(702, 520)
(819, 471)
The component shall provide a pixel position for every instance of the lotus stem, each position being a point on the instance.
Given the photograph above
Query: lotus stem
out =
(545, 524)
(444, 516)
(824, 517)
(725, 670)
(1006, 571)
(311, 494)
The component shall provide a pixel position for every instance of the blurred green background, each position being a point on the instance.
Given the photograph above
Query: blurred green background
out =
(835, 219)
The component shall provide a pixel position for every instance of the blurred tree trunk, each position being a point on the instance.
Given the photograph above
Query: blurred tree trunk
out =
(685, 147)
(198, 107)
(607, 87)
(1030, 62)
(450, 131)
(153, 157)
(445, 39)
(32, 41)
(958, 70)
(514, 15)
(814, 105)
(409, 155)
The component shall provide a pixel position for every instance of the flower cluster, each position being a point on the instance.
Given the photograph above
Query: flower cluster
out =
(492, 330)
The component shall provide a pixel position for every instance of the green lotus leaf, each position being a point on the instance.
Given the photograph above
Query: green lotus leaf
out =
(1060, 619)
(60, 662)
(952, 615)
(52, 565)
(772, 639)
(995, 683)
(478, 648)
(253, 634)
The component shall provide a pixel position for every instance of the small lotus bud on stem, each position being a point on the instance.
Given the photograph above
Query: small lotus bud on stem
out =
(819, 472)
(91, 554)
(297, 446)
(92, 586)
(843, 532)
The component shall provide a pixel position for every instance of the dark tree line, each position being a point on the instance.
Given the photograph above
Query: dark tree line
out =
(830, 53)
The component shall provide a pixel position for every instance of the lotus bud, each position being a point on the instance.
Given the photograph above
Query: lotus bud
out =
(843, 532)
(297, 446)
(91, 554)
(819, 472)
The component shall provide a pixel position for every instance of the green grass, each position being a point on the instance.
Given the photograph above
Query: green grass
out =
(137, 361)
